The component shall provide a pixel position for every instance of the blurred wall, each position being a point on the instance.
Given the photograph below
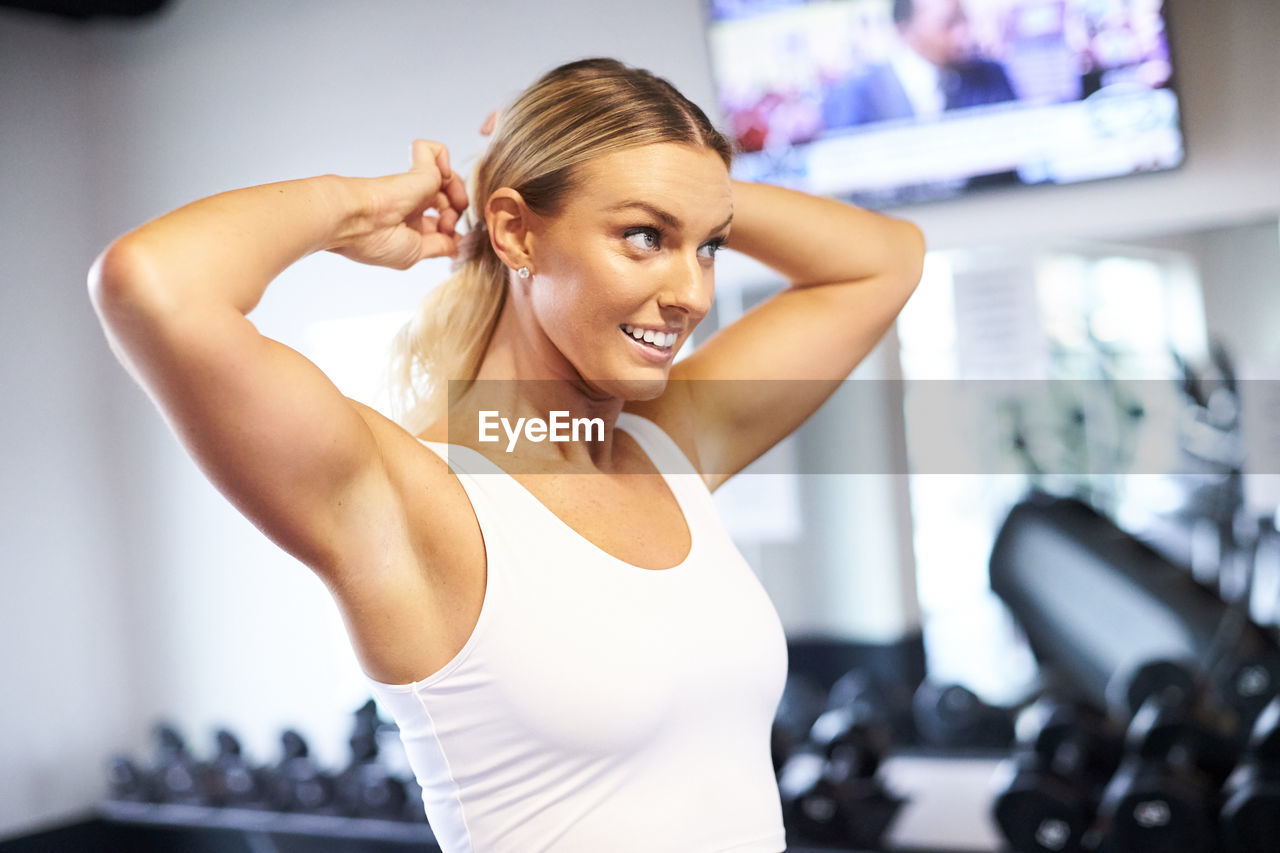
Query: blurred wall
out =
(131, 591)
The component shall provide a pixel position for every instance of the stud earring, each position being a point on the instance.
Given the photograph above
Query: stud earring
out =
(523, 272)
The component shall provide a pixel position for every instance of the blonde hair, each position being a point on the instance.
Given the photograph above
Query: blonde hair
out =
(573, 114)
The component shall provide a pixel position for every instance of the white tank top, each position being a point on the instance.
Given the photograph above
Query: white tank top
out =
(599, 707)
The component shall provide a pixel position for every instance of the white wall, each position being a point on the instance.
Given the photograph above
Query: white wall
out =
(131, 590)
(68, 687)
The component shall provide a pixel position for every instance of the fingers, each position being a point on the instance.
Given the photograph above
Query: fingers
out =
(490, 122)
(427, 152)
(455, 189)
(449, 195)
(448, 214)
(433, 241)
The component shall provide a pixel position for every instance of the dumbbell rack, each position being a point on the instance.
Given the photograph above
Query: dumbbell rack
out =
(151, 828)
(172, 828)
(263, 826)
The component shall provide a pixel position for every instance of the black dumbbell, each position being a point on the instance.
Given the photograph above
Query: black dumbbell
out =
(885, 698)
(1250, 818)
(952, 716)
(232, 782)
(825, 801)
(297, 783)
(1247, 685)
(1129, 689)
(177, 776)
(855, 729)
(803, 701)
(127, 782)
(1211, 732)
(830, 790)
(1067, 751)
(1164, 797)
(366, 788)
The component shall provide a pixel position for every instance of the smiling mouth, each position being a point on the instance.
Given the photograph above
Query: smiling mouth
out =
(657, 341)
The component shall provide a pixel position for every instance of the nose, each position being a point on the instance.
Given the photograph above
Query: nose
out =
(689, 287)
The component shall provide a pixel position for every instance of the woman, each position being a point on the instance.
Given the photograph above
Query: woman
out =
(577, 656)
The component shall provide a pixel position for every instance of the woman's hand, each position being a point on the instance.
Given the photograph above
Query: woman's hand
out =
(408, 216)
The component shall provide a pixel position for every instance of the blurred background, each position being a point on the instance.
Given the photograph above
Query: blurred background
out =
(132, 592)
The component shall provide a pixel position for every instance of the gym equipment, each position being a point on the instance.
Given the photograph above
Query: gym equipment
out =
(1179, 749)
(126, 782)
(1161, 800)
(825, 801)
(887, 699)
(1053, 783)
(952, 716)
(232, 782)
(1250, 818)
(1094, 601)
(1074, 786)
(177, 776)
(298, 784)
(829, 787)
(803, 701)
(365, 788)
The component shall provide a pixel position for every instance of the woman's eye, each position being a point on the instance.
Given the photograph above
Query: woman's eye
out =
(643, 238)
(708, 249)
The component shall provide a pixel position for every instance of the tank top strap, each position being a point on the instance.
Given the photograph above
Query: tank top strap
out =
(463, 460)
(661, 449)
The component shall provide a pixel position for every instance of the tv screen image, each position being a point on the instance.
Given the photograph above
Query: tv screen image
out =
(884, 102)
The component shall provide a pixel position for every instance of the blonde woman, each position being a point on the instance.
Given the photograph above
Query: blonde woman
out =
(576, 654)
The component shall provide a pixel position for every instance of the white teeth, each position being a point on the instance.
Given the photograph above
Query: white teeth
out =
(662, 340)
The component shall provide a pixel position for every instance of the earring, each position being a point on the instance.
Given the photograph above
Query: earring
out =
(523, 272)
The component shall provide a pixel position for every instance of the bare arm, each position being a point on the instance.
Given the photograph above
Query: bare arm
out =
(268, 428)
(851, 271)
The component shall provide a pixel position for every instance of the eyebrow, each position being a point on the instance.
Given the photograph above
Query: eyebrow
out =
(669, 219)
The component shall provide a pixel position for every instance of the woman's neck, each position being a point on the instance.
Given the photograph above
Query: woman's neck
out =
(522, 382)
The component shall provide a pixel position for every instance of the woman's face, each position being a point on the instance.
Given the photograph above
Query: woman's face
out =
(631, 253)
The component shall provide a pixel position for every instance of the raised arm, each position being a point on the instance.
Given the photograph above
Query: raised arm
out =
(269, 429)
(851, 271)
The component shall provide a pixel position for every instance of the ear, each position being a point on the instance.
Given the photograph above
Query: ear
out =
(510, 223)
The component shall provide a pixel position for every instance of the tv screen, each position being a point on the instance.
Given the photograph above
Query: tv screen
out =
(884, 102)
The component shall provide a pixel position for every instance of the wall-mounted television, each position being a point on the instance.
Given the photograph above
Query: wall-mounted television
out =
(885, 102)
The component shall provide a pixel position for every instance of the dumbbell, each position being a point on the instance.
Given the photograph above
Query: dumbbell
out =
(1247, 685)
(414, 809)
(952, 716)
(803, 701)
(1250, 818)
(1164, 797)
(232, 782)
(886, 699)
(366, 788)
(1066, 753)
(1211, 733)
(855, 728)
(829, 787)
(177, 776)
(297, 783)
(127, 782)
